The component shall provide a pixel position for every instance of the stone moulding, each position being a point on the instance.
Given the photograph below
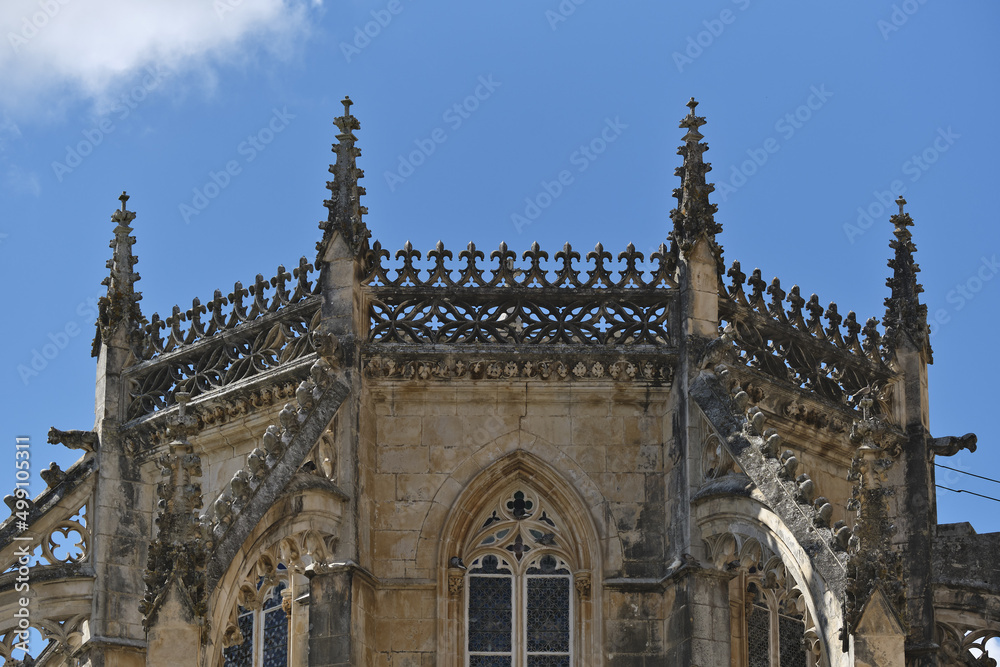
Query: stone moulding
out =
(556, 369)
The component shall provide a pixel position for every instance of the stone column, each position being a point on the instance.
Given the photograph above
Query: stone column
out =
(697, 628)
(333, 641)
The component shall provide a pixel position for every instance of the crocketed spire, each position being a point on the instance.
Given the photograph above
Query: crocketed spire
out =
(344, 204)
(904, 314)
(694, 216)
(120, 308)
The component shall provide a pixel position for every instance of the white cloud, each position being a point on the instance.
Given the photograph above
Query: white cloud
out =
(52, 51)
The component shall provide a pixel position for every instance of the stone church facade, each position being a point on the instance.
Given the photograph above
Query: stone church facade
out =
(496, 458)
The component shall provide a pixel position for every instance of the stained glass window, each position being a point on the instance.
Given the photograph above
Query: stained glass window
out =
(519, 599)
(773, 638)
(275, 634)
(758, 636)
(790, 632)
(241, 655)
(265, 634)
(490, 609)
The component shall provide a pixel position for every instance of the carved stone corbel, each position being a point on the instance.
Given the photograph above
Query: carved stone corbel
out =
(456, 581)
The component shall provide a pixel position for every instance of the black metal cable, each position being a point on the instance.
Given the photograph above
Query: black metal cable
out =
(970, 474)
(969, 492)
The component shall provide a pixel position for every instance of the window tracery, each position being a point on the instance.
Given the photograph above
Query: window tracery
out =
(770, 622)
(259, 636)
(519, 586)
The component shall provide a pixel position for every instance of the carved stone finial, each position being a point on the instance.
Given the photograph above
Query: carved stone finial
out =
(694, 217)
(118, 312)
(182, 424)
(905, 317)
(344, 206)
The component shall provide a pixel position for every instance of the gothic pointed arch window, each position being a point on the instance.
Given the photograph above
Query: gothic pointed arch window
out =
(769, 618)
(260, 634)
(519, 583)
(770, 624)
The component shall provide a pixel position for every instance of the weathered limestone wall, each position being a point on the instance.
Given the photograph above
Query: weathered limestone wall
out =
(634, 625)
(432, 440)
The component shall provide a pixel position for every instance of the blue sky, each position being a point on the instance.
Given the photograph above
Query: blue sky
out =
(216, 116)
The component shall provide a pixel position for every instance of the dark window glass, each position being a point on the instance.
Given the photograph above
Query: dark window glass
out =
(548, 661)
(758, 636)
(242, 655)
(490, 610)
(548, 615)
(790, 632)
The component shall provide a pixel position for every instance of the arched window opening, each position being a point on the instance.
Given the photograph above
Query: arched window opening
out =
(261, 623)
(771, 630)
(769, 618)
(519, 587)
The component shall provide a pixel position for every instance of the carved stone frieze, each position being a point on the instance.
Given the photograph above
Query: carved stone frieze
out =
(152, 433)
(619, 370)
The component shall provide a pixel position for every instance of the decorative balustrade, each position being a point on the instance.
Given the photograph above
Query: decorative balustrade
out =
(265, 326)
(796, 346)
(511, 302)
